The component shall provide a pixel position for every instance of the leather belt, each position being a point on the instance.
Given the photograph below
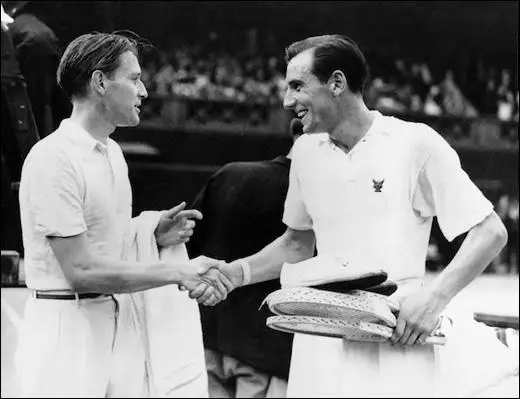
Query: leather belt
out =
(66, 296)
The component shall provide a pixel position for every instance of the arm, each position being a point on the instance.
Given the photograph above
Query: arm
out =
(293, 246)
(420, 311)
(480, 247)
(445, 190)
(86, 271)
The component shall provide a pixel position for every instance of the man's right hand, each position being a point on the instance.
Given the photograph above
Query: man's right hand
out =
(230, 276)
(202, 278)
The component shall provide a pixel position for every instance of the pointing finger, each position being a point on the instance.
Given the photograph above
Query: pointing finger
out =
(175, 210)
(191, 214)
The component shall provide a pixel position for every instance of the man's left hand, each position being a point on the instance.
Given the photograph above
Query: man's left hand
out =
(175, 226)
(418, 317)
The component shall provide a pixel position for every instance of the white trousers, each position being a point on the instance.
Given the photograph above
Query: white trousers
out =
(80, 348)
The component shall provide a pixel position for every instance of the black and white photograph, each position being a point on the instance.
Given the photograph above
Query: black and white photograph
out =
(259, 199)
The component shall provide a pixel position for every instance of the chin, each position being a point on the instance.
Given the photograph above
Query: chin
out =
(129, 123)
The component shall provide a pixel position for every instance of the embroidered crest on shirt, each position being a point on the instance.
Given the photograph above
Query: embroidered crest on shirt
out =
(378, 185)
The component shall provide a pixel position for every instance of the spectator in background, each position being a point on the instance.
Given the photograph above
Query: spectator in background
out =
(432, 104)
(242, 206)
(490, 103)
(203, 70)
(453, 101)
(165, 78)
(505, 98)
(38, 53)
(69, 19)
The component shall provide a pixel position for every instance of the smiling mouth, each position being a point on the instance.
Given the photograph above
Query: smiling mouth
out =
(302, 114)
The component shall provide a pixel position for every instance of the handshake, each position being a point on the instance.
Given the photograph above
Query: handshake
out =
(209, 281)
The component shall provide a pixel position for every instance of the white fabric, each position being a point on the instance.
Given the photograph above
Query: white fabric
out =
(169, 321)
(334, 194)
(70, 348)
(319, 269)
(71, 183)
(6, 19)
(373, 208)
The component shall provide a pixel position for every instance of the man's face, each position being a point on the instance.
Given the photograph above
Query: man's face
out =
(125, 91)
(310, 99)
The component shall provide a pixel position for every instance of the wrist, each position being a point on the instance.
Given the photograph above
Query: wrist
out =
(440, 293)
(177, 272)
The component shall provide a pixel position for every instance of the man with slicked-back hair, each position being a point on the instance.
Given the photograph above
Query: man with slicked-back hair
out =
(78, 338)
(365, 188)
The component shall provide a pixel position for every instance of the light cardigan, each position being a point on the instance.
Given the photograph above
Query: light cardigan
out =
(168, 319)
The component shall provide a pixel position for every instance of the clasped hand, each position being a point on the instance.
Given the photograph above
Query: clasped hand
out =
(209, 281)
(418, 317)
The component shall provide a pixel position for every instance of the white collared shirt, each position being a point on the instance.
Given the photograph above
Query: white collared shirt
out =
(374, 206)
(71, 183)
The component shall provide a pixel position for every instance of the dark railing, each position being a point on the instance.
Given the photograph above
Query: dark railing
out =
(269, 116)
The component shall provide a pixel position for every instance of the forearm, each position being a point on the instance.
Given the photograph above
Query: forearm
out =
(481, 245)
(103, 275)
(293, 246)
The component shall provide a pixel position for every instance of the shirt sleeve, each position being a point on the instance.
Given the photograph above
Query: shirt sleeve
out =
(295, 213)
(54, 194)
(445, 190)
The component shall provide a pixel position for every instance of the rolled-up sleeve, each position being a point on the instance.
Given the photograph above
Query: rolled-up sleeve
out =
(445, 190)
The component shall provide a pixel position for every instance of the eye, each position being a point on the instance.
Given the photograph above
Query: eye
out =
(296, 86)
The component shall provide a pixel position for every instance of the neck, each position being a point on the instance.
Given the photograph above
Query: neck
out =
(91, 118)
(355, 122)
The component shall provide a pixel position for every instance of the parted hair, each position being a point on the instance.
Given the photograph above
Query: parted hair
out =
(88, 53)
(334, 52)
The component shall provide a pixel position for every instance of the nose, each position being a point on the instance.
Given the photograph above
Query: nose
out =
(288, 100)
(142, 91)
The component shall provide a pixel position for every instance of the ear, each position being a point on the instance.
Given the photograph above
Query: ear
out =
(337, 82)
(97, 82)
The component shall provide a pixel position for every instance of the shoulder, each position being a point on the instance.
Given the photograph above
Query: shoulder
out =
(419, 137)
(413, 131)
(241, 169)
(49, 150)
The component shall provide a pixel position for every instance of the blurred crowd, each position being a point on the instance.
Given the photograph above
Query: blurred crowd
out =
(412, 86)
(208, 69)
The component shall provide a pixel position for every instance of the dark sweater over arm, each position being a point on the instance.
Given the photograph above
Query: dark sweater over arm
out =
(242, 206)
